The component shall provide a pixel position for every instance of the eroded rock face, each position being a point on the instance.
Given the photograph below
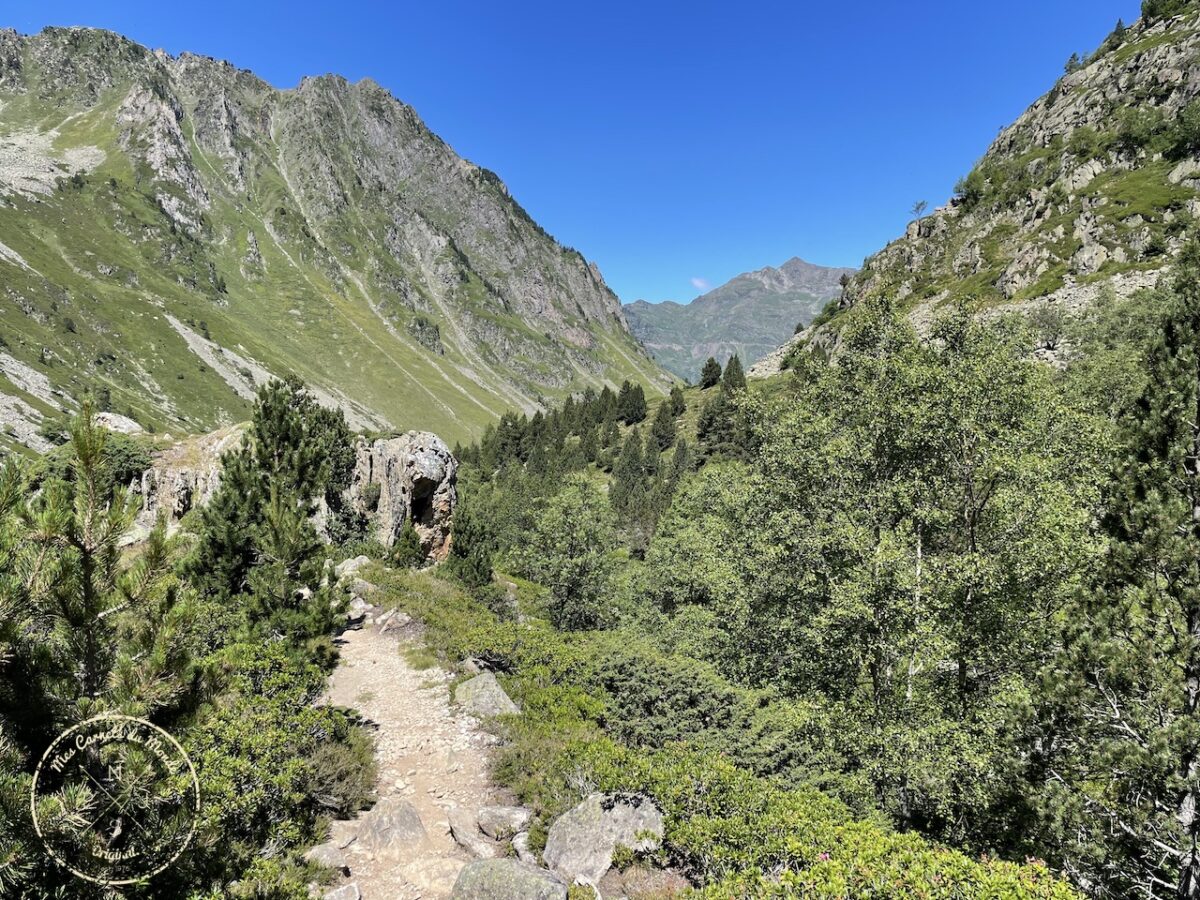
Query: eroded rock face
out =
(183, 477)
(407, 478)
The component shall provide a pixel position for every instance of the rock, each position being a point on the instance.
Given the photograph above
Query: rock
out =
(502, 822)
(329, 854)
(116, 422)
(182, 477)
(411, 478)
(507, 879)
(581, 843)
(343, 833)
(390, 828)
(482, 696)
(643, 883)
(345, 892)
(361, 589)
(525, 854)
(433, 877)
(1189, 168)
(465, 830)
(1088, 259)
(348, 568)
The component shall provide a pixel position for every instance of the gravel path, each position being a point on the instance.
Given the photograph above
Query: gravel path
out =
(429, 755)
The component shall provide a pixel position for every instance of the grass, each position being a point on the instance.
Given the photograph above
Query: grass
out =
(301, 314)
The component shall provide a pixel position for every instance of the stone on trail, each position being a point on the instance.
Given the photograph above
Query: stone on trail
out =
(507, 879)
(502, 822)
(329, 855)
(345, 892)
(581, 842)
(391, 827)
(465, 831)
(482, 697)
(521, 846)
(349, 567)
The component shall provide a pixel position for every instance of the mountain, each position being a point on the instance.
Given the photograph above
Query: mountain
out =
(1094, 187)
(748, 315)
(174, 230)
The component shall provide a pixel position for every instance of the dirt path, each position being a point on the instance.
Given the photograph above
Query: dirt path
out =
(428, 754)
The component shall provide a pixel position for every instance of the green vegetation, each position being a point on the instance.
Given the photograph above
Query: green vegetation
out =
(223, 650)
(899, 612)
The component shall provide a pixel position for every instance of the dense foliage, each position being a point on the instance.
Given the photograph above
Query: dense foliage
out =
(949, 586)
(219, 654)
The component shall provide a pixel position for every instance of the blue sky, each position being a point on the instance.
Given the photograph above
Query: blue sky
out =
(674, 143)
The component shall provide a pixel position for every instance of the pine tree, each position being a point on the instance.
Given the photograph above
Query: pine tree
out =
(81, 633)
(662, 430)
(677, 402)
(710, 374)
(734, 378)
(407, 552)
(631, 403)
(1129, 771)
(628, 489)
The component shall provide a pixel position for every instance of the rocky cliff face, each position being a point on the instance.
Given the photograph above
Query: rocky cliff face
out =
(1096, 184)
(177, 230)
(410, 478)
(748, 315)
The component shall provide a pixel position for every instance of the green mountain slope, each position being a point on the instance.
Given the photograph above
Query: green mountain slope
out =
(1095, 186)
(748, 315)
(175, 230)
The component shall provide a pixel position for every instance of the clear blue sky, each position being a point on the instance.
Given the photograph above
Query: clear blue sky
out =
(672, 142)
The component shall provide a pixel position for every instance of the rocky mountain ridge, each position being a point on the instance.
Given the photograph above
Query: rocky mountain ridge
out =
(748, 315)
(1096, 184)
(174, 231)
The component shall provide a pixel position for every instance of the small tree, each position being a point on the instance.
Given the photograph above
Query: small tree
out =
(710, 374)
(734, 378)
(568, 553)
(677, 401)
(918, 209)
(662, 430)
(407, 553)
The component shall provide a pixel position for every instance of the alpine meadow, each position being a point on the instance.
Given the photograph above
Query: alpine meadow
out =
(357, 543)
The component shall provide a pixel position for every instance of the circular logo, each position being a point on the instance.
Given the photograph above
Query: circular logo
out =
(120, 799)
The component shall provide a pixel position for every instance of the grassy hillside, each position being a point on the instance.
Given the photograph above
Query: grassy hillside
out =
(173, 232)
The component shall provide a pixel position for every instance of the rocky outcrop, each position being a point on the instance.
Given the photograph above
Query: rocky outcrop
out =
(482, 696)
(184, 476)
(410, 478)
(507, 879)
(581, 843)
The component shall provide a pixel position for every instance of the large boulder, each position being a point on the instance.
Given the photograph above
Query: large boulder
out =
(410, 478)
(392, 827)
(464, 828)
(581, 843)
(482, 697)
(507, 879)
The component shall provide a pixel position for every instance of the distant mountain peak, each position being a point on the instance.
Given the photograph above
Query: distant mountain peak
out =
(750, 315)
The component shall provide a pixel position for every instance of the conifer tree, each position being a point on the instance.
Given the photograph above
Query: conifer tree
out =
(734, 378)
(662, 430)
(710, 374)
(631, 404)
(1127, 782)
(677, 402)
